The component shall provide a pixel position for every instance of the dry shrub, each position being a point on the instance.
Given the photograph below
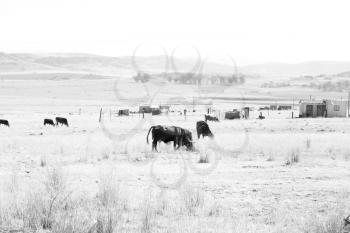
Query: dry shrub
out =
(270, 158)
(148, 216)
(204, 158)
(293, 157)
(332, 224)
(308, 143)
(346, 154)
(193, 199)
(110, 205)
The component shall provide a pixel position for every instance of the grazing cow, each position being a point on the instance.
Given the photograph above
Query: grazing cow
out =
(210, 118)
(203, 129)
(346, 225)
(180, 136)
(62, 121)
(5, 122)
(49, 122)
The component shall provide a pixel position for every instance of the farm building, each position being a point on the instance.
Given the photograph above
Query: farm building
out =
(323, 108)
(164, 108)
(273, 107)
(123, 112)
(155, 110)
(232, 115)
(280, 107)
(145, 109)
(284, 107)
(246, 112)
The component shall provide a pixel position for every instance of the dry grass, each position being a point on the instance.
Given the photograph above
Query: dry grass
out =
(204, 158)
(236, 197)
(293, 157)
(332, 224)
(193, 199)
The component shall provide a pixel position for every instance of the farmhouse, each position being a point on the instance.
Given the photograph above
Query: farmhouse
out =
(323, 108)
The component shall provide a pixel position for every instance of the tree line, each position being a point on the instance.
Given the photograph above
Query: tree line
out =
(191, 78)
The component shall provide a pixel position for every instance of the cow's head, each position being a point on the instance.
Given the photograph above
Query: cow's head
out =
(346, 221)
(187, 140)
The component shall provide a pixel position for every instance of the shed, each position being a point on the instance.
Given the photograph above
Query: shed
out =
(145, 109)
(273, 107)
(323, 108)
(155, 110)
(284, 107)
(123, 112)
(164, 108)
(230, 115)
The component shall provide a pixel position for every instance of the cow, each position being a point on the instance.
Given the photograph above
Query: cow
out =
(4, 122)
(177, 135)
(203, 129)
(210, 118)
(49, 122)
(346, 224)
(62, 121)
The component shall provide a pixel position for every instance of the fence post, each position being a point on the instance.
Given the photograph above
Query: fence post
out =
(100, 115)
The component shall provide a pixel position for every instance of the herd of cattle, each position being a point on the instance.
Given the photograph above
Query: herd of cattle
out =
(177, 135)
(59, 121)
(160, 133)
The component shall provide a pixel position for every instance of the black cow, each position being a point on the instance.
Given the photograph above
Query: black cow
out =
(210, 118)
(49, 122)
(203, 129)
(4, 122)
(346, 224)
(177, 135)
(62, 121)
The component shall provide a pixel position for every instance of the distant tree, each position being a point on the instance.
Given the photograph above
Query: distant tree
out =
(142, 77)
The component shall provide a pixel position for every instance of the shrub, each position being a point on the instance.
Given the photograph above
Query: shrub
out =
(293, 157)
(193, 199)
(308, 143)
(204, 158)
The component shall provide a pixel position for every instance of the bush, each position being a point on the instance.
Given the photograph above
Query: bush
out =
(193, 199)
(293, 157)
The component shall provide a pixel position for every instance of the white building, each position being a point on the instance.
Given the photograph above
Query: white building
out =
(323, 108)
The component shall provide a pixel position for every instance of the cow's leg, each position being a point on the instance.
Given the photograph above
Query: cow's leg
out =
(154, 145)
(179, 142)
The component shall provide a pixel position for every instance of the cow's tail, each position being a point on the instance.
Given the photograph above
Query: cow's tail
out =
(152, 127)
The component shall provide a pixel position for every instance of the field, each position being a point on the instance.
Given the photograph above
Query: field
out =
(273, 175)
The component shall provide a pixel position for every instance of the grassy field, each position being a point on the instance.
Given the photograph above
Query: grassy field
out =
(272, 175)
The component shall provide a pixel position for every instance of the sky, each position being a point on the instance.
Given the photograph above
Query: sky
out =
(250, 31)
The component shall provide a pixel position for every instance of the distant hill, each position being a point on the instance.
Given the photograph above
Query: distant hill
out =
(126, 65)
(298, 69)
(103, 65)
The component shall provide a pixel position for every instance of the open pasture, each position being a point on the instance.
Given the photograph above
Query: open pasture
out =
(271, 175)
